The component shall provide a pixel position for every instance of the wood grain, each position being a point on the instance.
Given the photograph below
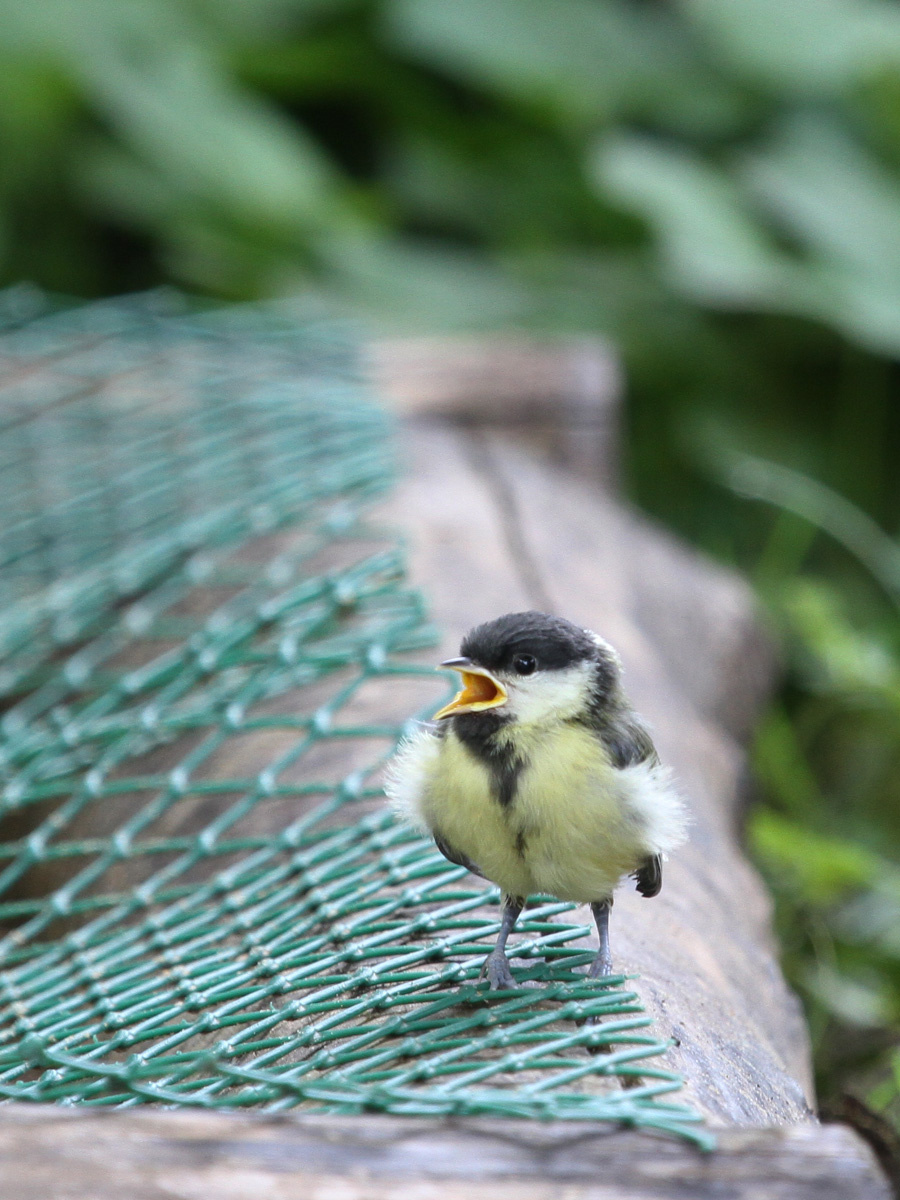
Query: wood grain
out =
(54, 1154)
(560, 394)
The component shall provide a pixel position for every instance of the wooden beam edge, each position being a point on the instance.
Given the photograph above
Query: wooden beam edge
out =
(94, 1153)
(565, 391)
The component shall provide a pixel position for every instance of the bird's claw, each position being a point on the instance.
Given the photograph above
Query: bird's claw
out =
(599, 969)
(496, 968)
(601, 966)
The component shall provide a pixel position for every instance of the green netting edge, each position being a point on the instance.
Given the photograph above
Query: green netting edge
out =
(333, 966)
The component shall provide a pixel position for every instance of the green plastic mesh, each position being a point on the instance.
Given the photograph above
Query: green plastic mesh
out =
(209, 653)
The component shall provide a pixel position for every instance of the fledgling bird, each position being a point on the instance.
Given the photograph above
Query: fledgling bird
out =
(540, 776)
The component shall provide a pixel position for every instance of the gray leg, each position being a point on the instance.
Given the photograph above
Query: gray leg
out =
(496, 966)
(602, 964)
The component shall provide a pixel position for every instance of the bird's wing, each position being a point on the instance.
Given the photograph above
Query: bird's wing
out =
(627, 739)
(629, 744)
(454, 856)
(649, 876)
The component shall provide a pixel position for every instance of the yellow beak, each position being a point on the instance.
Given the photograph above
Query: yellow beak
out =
(480, 689)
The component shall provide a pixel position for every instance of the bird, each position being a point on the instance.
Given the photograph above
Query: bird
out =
(540, 776)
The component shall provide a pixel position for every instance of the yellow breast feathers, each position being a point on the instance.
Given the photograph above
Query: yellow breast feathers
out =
(566, 821)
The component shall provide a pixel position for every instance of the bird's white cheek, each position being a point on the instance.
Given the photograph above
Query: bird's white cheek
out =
(549, 695)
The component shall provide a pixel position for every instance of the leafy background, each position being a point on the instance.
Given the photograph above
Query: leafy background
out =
(715, 184)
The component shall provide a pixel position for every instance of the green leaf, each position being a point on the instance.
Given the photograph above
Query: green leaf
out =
(717, 248)
(843, 206)
(415, 286)
(149, 72)
(712, 246)
(861, 1002)
(843, 659)
(783, 768)
(801, 47)
(581, 58)
(254, 18)
(822, 869)
(795, 492)
(832, 195)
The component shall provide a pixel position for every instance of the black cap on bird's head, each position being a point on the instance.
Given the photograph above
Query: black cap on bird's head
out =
(541, 658)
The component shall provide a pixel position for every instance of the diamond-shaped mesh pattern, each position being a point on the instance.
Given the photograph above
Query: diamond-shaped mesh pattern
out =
(208, 657)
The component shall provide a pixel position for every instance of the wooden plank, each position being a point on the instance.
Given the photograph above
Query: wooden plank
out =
(58, 1154)
(561, 394)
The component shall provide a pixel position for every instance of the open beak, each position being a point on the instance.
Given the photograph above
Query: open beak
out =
(480, 689)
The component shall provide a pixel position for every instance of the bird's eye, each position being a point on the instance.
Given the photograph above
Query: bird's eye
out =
(524, 664)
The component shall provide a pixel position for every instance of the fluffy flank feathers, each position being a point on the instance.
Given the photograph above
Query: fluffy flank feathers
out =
(653, 795)
(407, 775)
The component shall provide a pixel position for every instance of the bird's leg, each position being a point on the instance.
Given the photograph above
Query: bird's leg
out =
(602, 964)
(496, 965)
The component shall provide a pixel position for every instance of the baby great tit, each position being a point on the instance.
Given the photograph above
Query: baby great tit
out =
(540, 776)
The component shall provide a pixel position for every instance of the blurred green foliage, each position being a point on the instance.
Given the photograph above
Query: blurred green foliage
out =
(713, 183)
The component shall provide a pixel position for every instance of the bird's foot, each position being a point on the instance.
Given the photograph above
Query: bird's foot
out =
(496, 968)
(601, 966)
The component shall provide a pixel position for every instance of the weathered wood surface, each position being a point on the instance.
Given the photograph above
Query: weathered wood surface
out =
(496, 522)
(54, 1154)
(559, 394)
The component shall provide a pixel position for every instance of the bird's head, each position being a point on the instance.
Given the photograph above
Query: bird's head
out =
(532, 668)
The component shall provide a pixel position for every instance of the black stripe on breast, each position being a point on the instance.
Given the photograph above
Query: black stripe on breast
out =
(478, 733)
